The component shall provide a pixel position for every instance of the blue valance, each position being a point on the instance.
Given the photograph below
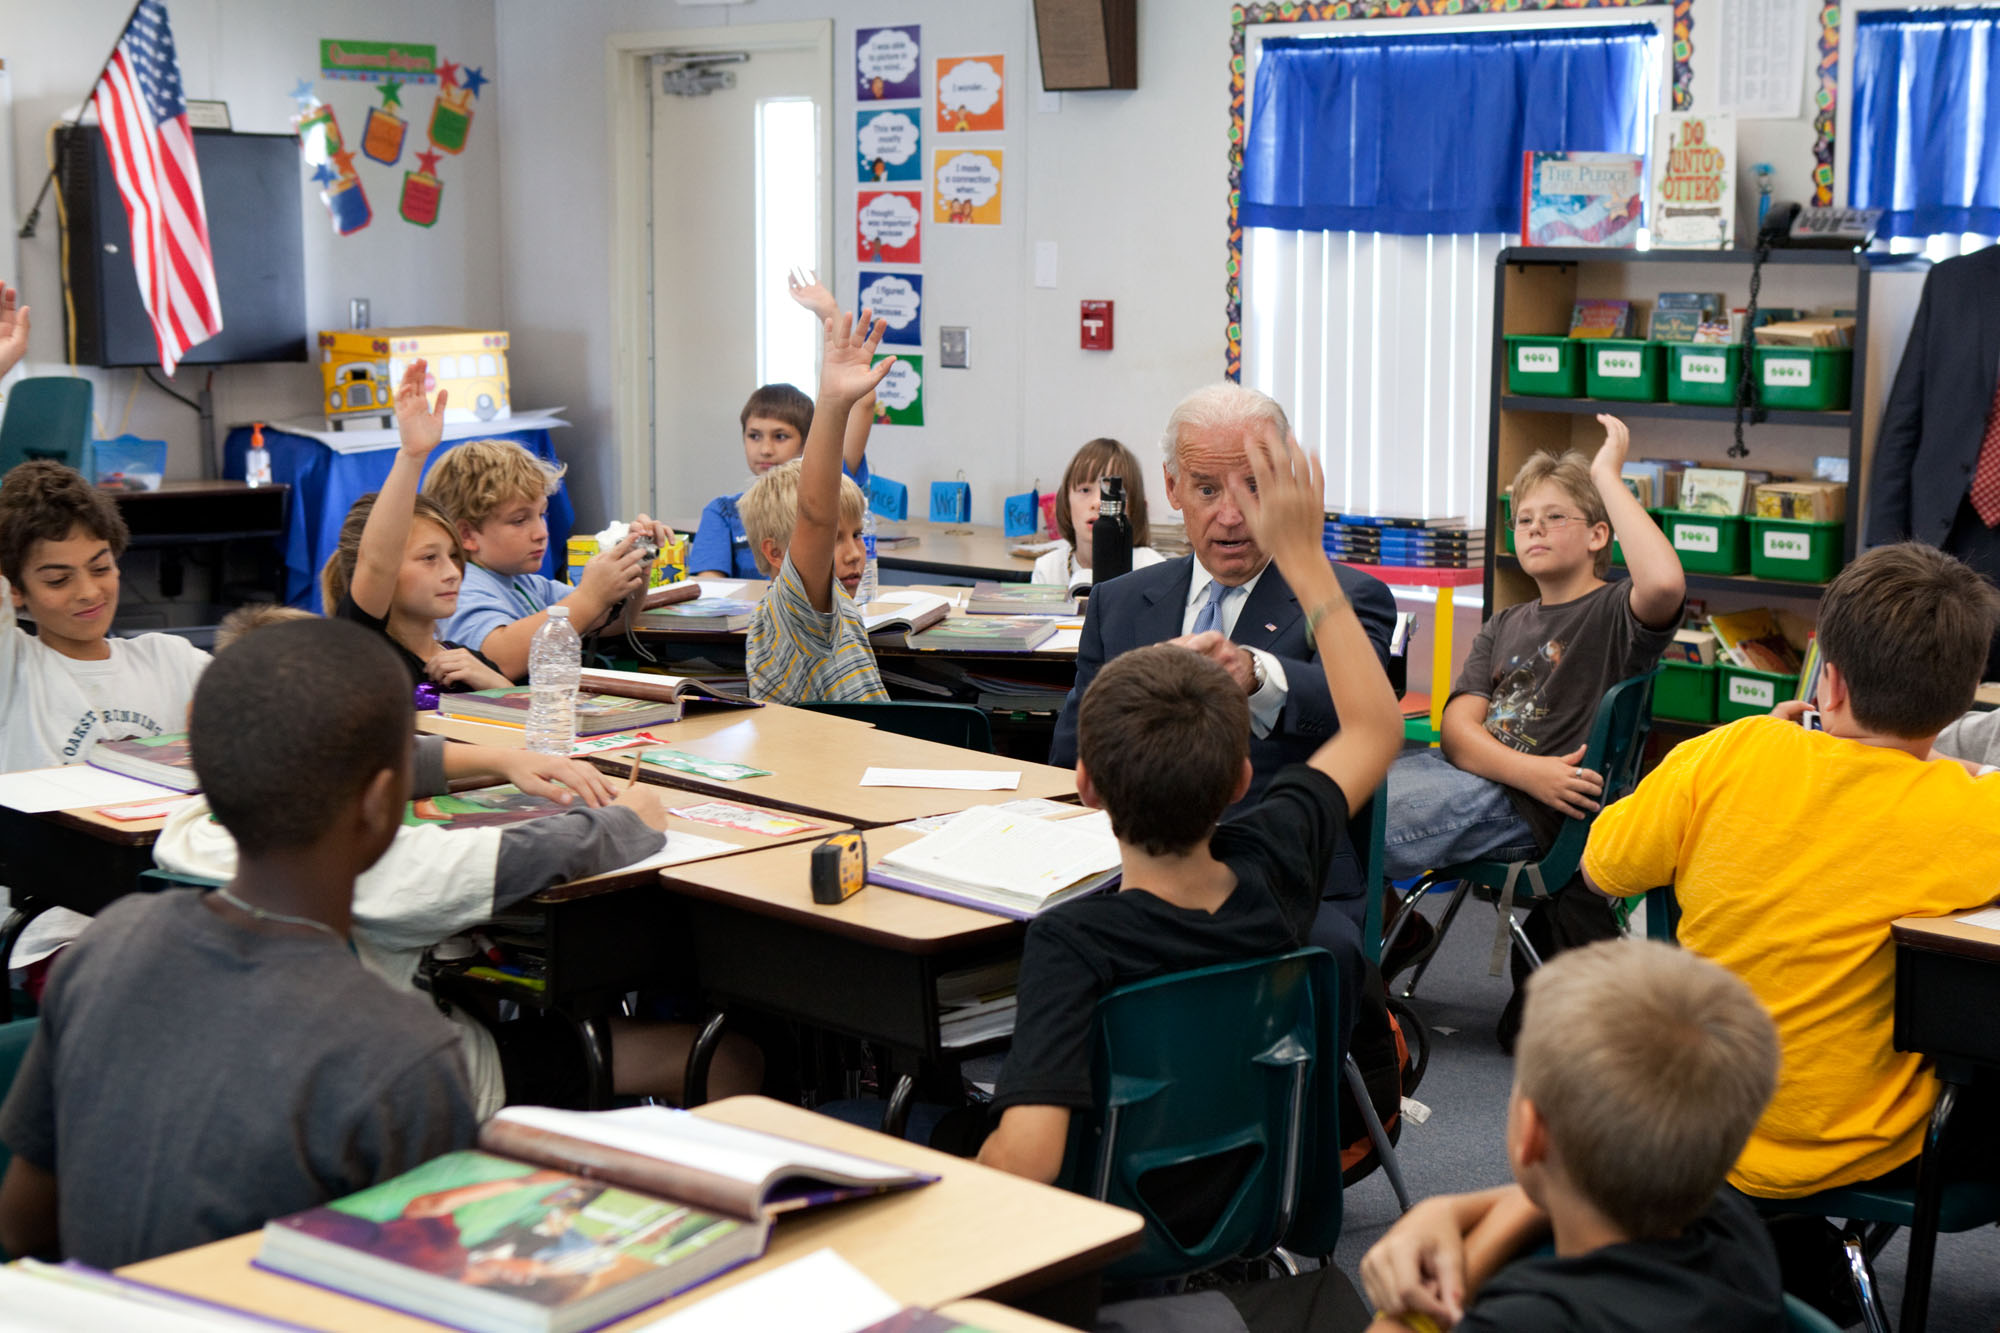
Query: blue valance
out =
(1422, 133)
(1926, 122)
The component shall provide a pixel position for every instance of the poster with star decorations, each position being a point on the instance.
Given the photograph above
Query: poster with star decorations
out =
(387, 75)
(383, 133)
(423, 192)
(332, 162)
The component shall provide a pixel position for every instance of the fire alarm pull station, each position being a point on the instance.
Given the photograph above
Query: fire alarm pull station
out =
(1097, 326)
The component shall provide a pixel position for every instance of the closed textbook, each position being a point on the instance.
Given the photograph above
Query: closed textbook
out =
(564, 1220)
(1004, 862)
(158, 759)
(596, 714)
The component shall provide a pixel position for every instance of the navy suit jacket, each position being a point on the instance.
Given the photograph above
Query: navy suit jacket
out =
(1148, 605)
(1936, 415)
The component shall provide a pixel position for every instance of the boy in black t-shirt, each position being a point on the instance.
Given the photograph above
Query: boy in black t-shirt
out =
(1509, 768)
(1641, 1071)
(1162, 746)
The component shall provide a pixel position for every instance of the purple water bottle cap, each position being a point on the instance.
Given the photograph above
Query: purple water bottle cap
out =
(427, 697)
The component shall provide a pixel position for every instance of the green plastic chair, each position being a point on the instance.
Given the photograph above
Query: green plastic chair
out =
(14, 1039)
(1219, 1065)
(1369, 829)
(962, 725)
(156, 879)
(1802, 1318)
(1616, 747)
(46, 417)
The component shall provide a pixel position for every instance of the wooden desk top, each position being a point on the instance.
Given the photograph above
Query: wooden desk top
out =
(976, 1232)
(817, 770)
(1948, 934)
(993, 1317)
(1987, 695)
(787, 723)
(741, 841)
(777, 883)
(967, 550)
(129, 833)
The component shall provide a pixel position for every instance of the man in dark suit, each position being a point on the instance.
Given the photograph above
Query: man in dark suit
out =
(1936, 477)
(1227, 602)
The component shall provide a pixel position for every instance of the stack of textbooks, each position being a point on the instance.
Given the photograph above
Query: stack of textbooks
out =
(976, 1004)
(985, 634)
(162, 760)
(989, 598)
(596, 714)
(566, 1220)
(1678, 316)
(1761, 640)
(1404, 541)
(702, 615)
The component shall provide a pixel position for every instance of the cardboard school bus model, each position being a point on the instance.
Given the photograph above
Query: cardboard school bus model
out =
(360, 368)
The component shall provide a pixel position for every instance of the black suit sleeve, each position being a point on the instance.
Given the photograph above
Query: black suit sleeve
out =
(1089, 657)
(1902, 428)
(1308, 711)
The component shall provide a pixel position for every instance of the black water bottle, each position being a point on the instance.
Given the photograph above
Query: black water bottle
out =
(1111, 534)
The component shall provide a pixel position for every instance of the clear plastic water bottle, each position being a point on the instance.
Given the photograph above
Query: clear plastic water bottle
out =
(257, 462)
(555, 668)
(870, 574)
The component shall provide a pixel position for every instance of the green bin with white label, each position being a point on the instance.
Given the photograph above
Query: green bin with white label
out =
(1544, 366)
(1743, 692)
(1685, 692)
(1708, 543)
(1703, 373)
(1628, 369)
(1805, 379)
(1788, 548)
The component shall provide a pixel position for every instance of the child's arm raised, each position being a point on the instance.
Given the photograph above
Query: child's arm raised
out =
(845, 378)
(860, 420)
(1287, 517)
(13, 329)
(1659, 587)
(420, 428)
(806, 288)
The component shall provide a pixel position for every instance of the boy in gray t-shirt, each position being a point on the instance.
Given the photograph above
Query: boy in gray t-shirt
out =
(206, 1062)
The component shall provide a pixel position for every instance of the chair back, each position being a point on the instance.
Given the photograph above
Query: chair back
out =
(47, 417)
(1368, 829)
(1616, 749)
(14, 1039)
(1802, 1318)
(962, 725)
(1216, 1114)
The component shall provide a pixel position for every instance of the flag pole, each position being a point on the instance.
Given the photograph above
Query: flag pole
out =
(28, 224)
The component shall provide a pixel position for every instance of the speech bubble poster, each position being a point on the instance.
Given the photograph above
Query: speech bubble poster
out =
(971, 94)
(886, 63)
(966, 188)
(889, 226)
(899, 398)
(888, 145)
(898, 301)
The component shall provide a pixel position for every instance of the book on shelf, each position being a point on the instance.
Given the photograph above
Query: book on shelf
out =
(989, 598)
(976, 1004)
(1818, 332)
(702, 615)
(161, 760)
(896, 621)
(1809, 671)
(1392, 520)
(596, 714)
(986, 634)
(1707, 302)
(660, 688)
(999, 861)
(1759, 639)
(1717, 491)
(1693, 199)
(1600, 319)
(1583, 199)
(1695, 646)
(565, 1220)
(670, 594)
(821, 1293)
(1804, 501)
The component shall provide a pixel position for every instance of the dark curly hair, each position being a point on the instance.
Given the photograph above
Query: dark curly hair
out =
(43, 501)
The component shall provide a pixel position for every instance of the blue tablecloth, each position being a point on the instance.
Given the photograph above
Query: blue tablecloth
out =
(325, 485)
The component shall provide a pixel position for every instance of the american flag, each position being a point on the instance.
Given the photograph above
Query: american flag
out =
(144, 117)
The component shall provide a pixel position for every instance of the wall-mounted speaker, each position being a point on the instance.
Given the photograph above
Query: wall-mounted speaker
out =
(1088, 44)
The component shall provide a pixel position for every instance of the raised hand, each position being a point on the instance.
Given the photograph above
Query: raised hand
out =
(420, 425)
(810, 292)
(845, 373)
(13, 329)
(1286, 512)
(1608, 467)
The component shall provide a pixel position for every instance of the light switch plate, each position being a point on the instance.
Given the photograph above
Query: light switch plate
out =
(954, 347)
(1045, 263)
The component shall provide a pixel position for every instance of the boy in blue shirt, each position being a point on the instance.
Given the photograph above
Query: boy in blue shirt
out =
(497, 493)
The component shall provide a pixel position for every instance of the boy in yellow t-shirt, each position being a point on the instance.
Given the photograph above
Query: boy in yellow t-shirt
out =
(1791, 850)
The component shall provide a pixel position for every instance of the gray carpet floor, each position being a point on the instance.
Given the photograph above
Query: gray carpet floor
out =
(1462, 1145)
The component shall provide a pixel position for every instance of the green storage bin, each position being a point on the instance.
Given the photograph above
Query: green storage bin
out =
(1685, 692)
(1507, 522)
(1789, 548)
(1703, 373)
(1708, 543)
(1544, 366)
(1742, 692)
(1805, 379)
(1629, 369)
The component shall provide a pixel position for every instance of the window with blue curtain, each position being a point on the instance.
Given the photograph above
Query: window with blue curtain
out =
(1926, 122)
(1422, 133)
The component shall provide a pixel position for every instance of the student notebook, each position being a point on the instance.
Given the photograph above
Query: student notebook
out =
(999, 861)
(564, 1220)
(163, 760)
(596, 714)
(989, 598)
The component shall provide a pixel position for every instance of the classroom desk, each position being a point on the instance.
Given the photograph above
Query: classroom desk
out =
(976, 1232)
(1947, 979)
(961, 552)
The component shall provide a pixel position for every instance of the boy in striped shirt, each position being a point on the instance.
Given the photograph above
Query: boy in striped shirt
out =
(807, 641)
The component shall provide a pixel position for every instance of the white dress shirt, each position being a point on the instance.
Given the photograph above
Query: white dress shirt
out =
(1269, 700)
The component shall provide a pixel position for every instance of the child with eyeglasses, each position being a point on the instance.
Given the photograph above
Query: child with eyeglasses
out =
(1510, 768)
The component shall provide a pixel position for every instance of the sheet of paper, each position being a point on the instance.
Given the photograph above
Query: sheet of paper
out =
(1761, 58)
(725, 589)
(679, 849)
(1034, 807)
(1063, 641)
(72, 788)
(821, 1293)
(941, 779)
(908, 597)
(1986, 920)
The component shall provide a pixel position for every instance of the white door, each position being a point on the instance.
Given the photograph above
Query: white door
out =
(739, 195)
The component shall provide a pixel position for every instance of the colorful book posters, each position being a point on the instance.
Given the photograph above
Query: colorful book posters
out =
(886, 61)
(899, 399)
(1694, 196)
(887, 146)
(1581, 198)
(971, 94)
(897, 299)
(967, 186)
(888, 226)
